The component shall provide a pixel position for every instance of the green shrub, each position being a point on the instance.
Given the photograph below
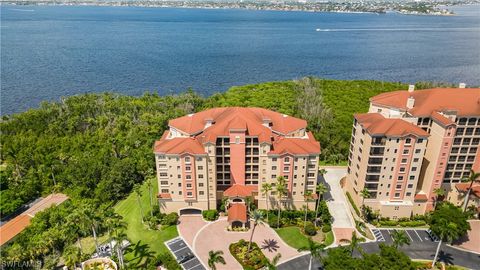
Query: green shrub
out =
(170, 219)
(390, 223)
(353, 204)
(167, 261)
(310, 229)
(326, 228)
(413, 223)
(210, 215)
(253, 260)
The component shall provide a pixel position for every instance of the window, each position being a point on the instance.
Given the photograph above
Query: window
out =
(402, 169)
(274, 176)
(189, 185)
(163, 183)
(200, 176)
(408, 141)
(179, 184)
(414, 169)
(274, 159)
(397, 194)
(310, 175)
(404, 160)
(417, 151)
(286, 160)
(163, 174)
(200, 192)
(405, 152)
(397, 208)
(409, 193)
(200, 184)
(188, 168)
(165, 191)
(398, 186)
(286, 168)
(189, 194)
(274, 168)
(188, 177)
(200, 168)
(187, 159)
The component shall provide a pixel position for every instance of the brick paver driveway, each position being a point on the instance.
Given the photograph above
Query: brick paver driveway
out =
(214, 236)
(189, 226)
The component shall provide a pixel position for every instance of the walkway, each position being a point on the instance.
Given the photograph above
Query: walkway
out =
(343, 223)
(472, 240)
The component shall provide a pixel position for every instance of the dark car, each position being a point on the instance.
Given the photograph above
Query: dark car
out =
(185, 258)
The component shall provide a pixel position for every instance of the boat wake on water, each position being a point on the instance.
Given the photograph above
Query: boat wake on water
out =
(398, 29)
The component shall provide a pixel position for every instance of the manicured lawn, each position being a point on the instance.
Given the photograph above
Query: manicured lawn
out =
(136, 231)
(329, 238)
(292, 236)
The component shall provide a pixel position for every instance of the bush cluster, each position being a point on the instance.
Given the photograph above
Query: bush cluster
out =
(255, 259)
(310, 229)
(326, 228)
(210, 215)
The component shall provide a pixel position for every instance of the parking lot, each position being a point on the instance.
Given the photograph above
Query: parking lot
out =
(180, 250)
(416, 235)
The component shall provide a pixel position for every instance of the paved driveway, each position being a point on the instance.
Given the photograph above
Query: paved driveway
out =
(214, 236)
(343, 224)
(188, 227)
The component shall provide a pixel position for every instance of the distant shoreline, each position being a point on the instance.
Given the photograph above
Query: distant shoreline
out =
(364, 8)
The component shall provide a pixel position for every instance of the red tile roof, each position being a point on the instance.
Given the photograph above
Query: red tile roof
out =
(376, 124)
(420, 197)
(240, 191)
(164, 196)
(237, 212)
(465, 101)
(441, 119)
(13, 227)
(223, 120)
(463, 187)
(178, 145)
(237, 118)
(307, 145)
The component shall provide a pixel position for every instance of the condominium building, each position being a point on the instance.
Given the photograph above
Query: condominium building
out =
(230, 152)
(411, 143)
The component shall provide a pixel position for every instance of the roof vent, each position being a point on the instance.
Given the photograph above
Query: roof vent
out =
(284, 115)
(411, 88)
(461, 85)
(190, 115)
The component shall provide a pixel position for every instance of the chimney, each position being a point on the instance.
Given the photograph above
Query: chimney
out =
(461, 85)
(411, 88)
(266, 122)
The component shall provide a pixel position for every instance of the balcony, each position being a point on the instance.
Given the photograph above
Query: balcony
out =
(374, 169)
(379, 141)
(372, 178)
(377, 151)
(375, 161)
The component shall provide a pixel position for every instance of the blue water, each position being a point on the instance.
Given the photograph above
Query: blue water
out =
(53, 51)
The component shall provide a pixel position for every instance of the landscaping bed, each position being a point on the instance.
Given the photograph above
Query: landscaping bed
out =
(254, 260)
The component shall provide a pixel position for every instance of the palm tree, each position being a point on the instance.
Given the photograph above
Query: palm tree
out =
(439, 192)
(91, 219)
(137, 190)
(257, 218)
(400, 238)
(472, 178)
(281, 190)
(321, 188)
(215, 257)
(307, 197)
(365, 195)
(150, 191)
(448, 222)
(119, 236)
(315, 250)
(75, 226)
(72, 255)
(114, 223)
(266, 187)
(272, 265)
(354, 244)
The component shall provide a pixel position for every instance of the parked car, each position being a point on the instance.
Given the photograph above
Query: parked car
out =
(185, 258)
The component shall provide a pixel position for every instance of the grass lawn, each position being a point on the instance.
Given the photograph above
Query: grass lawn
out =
(136, 231)
(329, 238)
(292, 236)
